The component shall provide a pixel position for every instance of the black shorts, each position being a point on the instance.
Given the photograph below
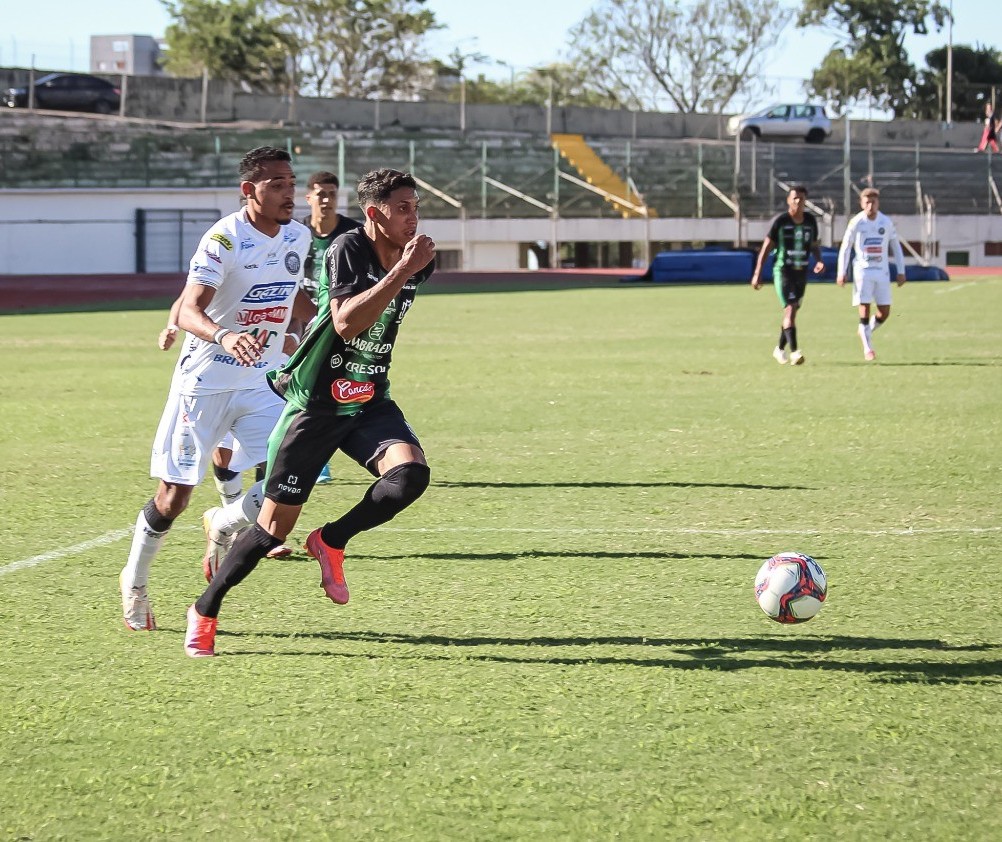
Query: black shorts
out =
(304, 441)
(790, 286)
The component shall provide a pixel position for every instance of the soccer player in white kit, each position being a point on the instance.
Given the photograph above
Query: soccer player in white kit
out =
(243, 291)
(870, 236)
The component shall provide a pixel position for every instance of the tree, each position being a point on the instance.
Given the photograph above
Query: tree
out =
(233, 40)
(658, 54)
(359, 48)
(869, 61)
(977, 72)
(567, 84)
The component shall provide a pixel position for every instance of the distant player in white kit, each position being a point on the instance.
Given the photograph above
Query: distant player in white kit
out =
(870, 236)
(242, 293)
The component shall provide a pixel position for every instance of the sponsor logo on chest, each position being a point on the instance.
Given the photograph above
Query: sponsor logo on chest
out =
(269, 293)
(351, 391)
(255, 317)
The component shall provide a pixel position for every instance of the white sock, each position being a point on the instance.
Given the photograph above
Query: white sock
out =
(874, 324)
(229, 489)
(864, 336)
(145, 545)
(242, 511)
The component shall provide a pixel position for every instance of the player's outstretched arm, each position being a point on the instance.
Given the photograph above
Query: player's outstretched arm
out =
(756, 278)
(169, 334)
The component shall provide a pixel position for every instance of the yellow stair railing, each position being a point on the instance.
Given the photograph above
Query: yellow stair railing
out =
(575, 150)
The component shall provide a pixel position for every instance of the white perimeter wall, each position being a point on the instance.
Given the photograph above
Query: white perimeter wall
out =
(58, 232)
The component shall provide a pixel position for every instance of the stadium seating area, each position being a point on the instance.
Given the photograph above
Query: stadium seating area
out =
(59, 152)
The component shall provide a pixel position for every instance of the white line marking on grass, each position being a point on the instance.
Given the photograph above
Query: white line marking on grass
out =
(953, 288)
(108, 538)
(119, 534)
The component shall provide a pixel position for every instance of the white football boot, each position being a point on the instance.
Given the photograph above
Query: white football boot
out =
(136, 611)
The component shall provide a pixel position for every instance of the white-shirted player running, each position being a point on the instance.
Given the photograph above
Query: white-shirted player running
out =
(242, 292)
(870, 235)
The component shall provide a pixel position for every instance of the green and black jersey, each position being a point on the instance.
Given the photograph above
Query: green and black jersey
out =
(331, 374)
(794, 243)
(318, 247)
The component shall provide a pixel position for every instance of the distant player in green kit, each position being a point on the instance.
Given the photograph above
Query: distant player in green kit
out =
(327, 225)
(794, 235)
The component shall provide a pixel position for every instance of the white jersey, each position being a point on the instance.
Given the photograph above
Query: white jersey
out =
(870, 240)
(255, 278)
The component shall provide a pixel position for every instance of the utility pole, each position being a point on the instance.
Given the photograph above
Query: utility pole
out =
(949, 68)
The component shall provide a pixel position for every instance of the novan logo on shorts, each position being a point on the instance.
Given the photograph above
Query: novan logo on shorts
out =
(350, 391)
(268, 293)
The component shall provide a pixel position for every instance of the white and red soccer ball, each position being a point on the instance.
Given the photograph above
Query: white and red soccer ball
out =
(791, 587)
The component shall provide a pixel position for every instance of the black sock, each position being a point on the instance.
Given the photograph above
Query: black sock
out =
(389, 495)
(878, 320)
(224, 474)
(251, 546)
(782, 338)
(157, 521)
(790, 334)
(864, 321)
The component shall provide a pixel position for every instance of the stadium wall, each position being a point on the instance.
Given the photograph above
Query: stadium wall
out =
(87, 231)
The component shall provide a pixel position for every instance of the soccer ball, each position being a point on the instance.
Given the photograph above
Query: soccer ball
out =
(790, 587)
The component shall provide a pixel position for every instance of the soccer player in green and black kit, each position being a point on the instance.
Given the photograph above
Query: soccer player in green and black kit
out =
(337, 398)
(326, 225)
(794, 235)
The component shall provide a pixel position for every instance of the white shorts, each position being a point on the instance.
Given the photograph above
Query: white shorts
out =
(875, 289)
(191, 427)
(239, 460)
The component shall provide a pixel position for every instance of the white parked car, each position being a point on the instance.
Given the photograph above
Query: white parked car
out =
(804, 121)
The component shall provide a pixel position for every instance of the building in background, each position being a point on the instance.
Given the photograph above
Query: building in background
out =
(133, 55)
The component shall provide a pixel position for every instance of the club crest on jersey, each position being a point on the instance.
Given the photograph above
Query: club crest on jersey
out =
(223, 240)
(351, 391)
(269, 293)
(292, 262)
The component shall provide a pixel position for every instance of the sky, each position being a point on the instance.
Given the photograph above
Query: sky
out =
(516, 34)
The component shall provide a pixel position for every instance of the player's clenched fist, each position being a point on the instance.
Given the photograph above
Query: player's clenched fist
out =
(419, 252)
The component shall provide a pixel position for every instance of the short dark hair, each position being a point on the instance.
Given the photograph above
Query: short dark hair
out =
(375, 187)
(322, 177)
(799, 188)
(252, 164)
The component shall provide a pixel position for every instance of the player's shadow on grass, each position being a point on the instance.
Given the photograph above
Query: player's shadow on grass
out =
(716, 654)
(607, 484)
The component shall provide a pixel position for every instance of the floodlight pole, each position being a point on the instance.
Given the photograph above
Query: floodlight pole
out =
(949, 68)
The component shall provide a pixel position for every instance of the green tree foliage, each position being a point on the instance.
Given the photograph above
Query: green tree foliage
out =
(566, 83)
(869, 62)
(359, 48)
(977, 72)
(668, 54)
(232, 40)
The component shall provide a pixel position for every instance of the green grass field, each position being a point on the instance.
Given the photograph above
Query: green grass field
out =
(559, 641)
